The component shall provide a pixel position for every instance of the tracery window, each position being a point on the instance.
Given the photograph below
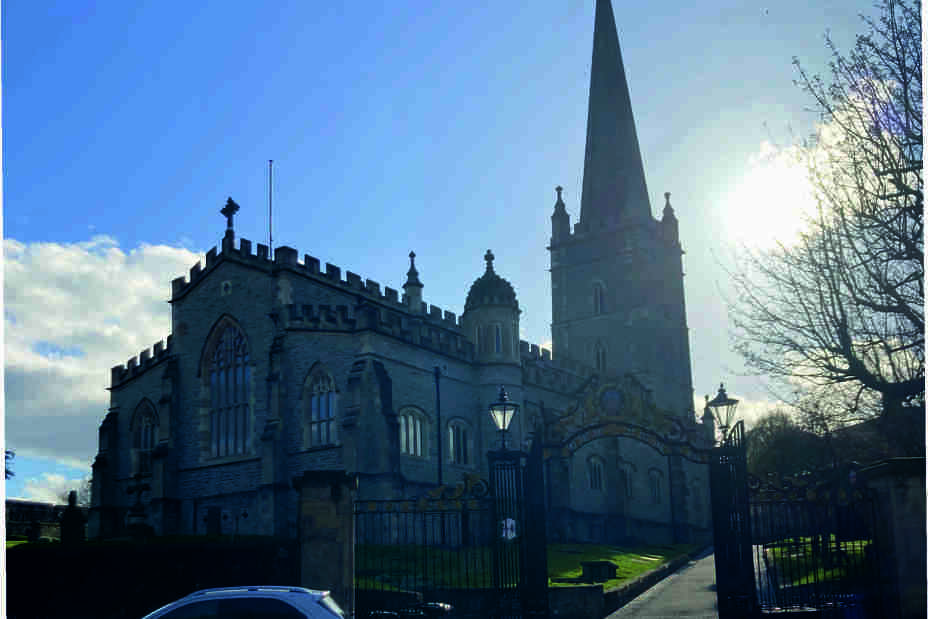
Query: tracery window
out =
(458, 442)
(323, 404)
(230, 394)
(144, 437)
(413, 432)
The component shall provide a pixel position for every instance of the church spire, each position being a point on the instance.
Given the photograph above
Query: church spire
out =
(613, 174)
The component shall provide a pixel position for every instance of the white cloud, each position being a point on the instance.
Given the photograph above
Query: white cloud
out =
(71, 312)
(49, 488)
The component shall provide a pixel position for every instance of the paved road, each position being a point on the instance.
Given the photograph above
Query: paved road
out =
(690, 592)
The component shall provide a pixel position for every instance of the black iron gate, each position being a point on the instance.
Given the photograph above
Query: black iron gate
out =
(425, 550)
(793, 543)
(479, 546)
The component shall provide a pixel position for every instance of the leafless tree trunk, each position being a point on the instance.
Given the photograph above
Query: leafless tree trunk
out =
(840, 315)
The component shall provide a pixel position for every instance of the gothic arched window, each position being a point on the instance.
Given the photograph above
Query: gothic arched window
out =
(625, 485)
(144, 437)
(696, 493)
(413, 432)
(458, 442)
(594, 467)
(600, 352)
(655, 479)
(230, 394)
(320, 397)
(599, 299)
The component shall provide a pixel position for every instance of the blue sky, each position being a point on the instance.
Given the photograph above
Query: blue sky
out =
(439, 127)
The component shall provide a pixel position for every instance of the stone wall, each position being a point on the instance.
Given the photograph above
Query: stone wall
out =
(899, 484)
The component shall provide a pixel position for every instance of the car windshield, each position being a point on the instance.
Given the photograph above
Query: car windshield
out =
(330, 604)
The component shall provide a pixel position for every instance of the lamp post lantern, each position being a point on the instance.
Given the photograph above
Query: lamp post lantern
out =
(723, 409)
(502, 412)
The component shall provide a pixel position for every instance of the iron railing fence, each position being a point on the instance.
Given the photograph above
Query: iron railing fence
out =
(444, 551)
(816, 554)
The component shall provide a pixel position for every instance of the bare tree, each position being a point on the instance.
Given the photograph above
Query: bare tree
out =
(838, 317)
(8, 455)
(777, 443)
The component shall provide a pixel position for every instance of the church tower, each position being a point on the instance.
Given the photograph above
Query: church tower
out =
(617, 279)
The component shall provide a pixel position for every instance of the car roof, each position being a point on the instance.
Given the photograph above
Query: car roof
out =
(271, 590)
(300, 596)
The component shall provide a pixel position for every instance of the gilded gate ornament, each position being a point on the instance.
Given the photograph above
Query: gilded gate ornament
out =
(626, 410)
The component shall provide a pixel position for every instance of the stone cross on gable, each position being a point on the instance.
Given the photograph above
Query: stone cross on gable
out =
(229, 210)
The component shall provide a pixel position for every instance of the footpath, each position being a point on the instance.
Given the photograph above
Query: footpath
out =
(688, 591)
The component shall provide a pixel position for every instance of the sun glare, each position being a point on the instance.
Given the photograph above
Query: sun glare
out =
(769, 203)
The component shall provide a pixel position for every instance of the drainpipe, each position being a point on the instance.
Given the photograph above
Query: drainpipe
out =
(438, 420)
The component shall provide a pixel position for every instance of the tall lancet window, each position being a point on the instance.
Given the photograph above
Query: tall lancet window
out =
(230, 391)
(322, 399)
(600, 353)
(144, 437)
(599, 295)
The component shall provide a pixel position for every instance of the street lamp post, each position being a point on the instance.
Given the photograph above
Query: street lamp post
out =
(723, 409)
(502, 412)
(506, 470)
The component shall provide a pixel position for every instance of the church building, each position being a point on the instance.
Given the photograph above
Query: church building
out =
(276, 366)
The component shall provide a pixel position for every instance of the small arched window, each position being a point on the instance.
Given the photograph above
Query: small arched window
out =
(696, 493)
(413, 432)
(655, 482)
(320, 401)
(599, 299)
(144, 437)
(600, 352)
(594, 466)
(458, 442)
(625, 483)
(230, 394)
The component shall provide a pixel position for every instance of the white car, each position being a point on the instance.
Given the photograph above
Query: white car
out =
(252, 603)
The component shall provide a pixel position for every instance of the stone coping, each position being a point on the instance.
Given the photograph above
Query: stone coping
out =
(914, 466)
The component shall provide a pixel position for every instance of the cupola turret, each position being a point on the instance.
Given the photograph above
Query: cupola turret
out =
(491, 317)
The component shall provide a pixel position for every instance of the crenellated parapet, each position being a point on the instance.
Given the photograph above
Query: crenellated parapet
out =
(432, 332)
(142, 362)
(286, 258)
(539, 369)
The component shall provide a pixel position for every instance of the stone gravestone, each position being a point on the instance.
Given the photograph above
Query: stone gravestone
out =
(72, 521)
(34, 530)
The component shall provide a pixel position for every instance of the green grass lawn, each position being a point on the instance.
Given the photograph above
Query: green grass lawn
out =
(797, 563)
(631, 561)
(10, 544)
(399, 568)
